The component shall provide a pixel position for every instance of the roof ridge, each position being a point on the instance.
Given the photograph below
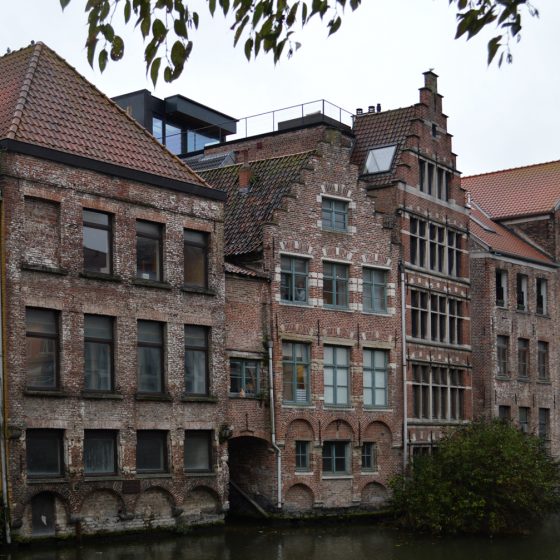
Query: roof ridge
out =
(512, 169)
(236, 164)
(24, 91)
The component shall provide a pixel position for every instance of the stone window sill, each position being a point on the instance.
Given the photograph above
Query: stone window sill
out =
(503, 377)
(152, 284)
(338, 407)
(523, 380)
(332, 230)
(144, 475)
(297, 405)
(197, 290)
(369, 473)
(544, 382)
(44, 268)
(304, 473)
(205, 474)
(39, 480)
(337, 477)
(199, 398)
(247, 397)
(161, 397)
(100, 276)
(103, 478)
(56, 393)
(296, 303)
(370, 408)
(100, 395)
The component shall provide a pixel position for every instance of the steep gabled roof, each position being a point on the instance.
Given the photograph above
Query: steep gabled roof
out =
(501, 240)
(522, 191)
(374, 130)
(44, 102)
(246, 213)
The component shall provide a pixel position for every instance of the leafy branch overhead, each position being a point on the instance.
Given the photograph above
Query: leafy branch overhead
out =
(261, 25)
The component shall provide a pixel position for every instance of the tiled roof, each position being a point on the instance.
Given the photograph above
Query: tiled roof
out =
(246, 213)
(380, 129)
(203, 162)
(242, 271)
(45, 102)
(501, 240)
(522, 191)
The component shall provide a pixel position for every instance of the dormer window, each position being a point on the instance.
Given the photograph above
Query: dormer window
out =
(380, 160)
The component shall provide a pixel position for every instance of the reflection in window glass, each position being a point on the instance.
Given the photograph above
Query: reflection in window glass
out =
(196, 360)
(195, 252)
(198, 451)
(44, 453)
(98, 350)
(99, 452)
(151, 451)
(41, 348)
(149, 250)
(380, 159)
(150, 357)
(97, 242)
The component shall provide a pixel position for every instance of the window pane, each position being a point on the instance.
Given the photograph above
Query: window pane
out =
(148, 258)
(40, 321)
(150, 332)
(41, 362)
(195, 266)
(151, 451)
(97, 366)
(195, 336)
(44, 452)
(379, 159)
(99, 452)
(97, 246)
(197, 451)
(96, 326)
(195, 372)
(149, 370)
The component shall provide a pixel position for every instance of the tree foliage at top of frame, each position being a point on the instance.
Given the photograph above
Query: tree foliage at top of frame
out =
(263, 26)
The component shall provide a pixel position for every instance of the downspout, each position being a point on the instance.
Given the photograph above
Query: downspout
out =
(3, 458)
(273, 426)
(404, 366)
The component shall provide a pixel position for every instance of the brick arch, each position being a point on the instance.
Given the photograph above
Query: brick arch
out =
(338, 429)
(374, 494)
(154, 503)
(202, 500)
(299, 497)
(61, 512)
(100, 507)
(300, 429)
(379, 432)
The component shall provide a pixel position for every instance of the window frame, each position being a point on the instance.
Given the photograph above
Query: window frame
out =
(110, 434)
(58, 437)
(369, 457)
(335, 367)
(388, 166)
(502, 356)
(339, 285)
(302, 454)
(111, 344)
(56, 337)
(524, 414)
(244, 363)
(544, 424)
(372, 370)
(329, 223)
(501, 288)
(291, 276)
(159, 239)
(209, 451)
(434, 179)
(541, 307)
(369, 287)
(205, 351)
(110, 235)
(523, 358)
(204, 246)
(504, 412)
(522, 281)
(331, 453)
(543, 360)
(155, 345)
(293, 364)
(162, 435)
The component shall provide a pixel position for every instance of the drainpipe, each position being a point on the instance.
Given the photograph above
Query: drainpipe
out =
(404, 366)
(3, 459)
(273, 426)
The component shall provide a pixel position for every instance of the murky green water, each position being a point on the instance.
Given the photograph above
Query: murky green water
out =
(329, 542)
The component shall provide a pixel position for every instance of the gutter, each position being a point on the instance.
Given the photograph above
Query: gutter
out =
(404, 367)
(277, 450)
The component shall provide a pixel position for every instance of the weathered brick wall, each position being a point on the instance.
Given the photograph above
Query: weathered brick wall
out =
(43, 204)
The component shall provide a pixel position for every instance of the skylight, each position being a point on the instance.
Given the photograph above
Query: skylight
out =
(380, 159)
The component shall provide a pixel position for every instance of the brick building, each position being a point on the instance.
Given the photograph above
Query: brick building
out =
(514, 262)
(113, 315)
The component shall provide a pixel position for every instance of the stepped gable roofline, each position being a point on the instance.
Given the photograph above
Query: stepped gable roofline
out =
(47, 104)
(502, 241)
(249, 209)
(519, 191)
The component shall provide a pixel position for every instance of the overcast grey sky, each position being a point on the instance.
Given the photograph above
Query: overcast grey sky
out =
(500, 118)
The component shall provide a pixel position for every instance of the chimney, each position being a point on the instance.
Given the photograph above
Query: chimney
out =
(371, 109)
(359, 111)
(244, 172)
(379, 107)
(430, 80)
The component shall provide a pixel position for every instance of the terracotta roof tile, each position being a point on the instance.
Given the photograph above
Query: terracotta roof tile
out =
(243, 271)
(501, 240)
(522, 191)
(45, 102)
(246, 213)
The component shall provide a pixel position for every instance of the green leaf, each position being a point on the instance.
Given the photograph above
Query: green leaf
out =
(145, 25)
(212, 7)
(334, 25)
(292, 14)
(167, 74)
(108, 32)
(248, 48)
(195, 19)
(117, 49)
(102, 59)
(159, 31)
(127, 11)
(154, 70)
(493, 46)
(180, 27)
(239, 30)
(64, 3)
(178, 53)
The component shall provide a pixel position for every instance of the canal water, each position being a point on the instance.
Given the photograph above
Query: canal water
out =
(329, 542)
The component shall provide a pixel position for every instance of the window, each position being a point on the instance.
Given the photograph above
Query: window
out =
(375, 290)
(42, 340)
(445, 314)
(369, 456)
(434, 180)
(542, 356)
(293, 279)
(336, 370)
(438, 392)
(151, 451)
(100, 452)
(335, 284)
(150, 357)
(334, 214)
(502, 353)
(97, 241)
(44, 453)
(295, 371)
(195, 255)
(544, 423)
(380, 160)
(336, 457)
(524, 418)
(303, 462)
(504, 413)
(435, 247)
(375, 378)
(501, 288)
(521, 292)
(196, 359)
(149, 251)
(244, 377)
(198, 451)
(98, 353)
(523, 357)
(542, 296)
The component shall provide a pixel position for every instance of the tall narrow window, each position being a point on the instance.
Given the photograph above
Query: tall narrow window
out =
(375, 290)
(418, 242)
(524, 419)
(543, 361)
(149, 250)
(542, 296)
(335, 284)
(336, 375)
(303, 462)
(150, 357)
(198, 451)
(501, 288)
(196, 360)
(44, 453)
(42, 342)
(97, 241)
(521, 292)
(375, 378)
(523, 357)
(336, 457)
(195, 255)
(98, 353)
(421, 391)
(151, 451)
(295, 371)
(100, 452)
(502, 353)
(544, 423)
(294, 279)
(334, 214)
(419, 313)
(369, 456)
